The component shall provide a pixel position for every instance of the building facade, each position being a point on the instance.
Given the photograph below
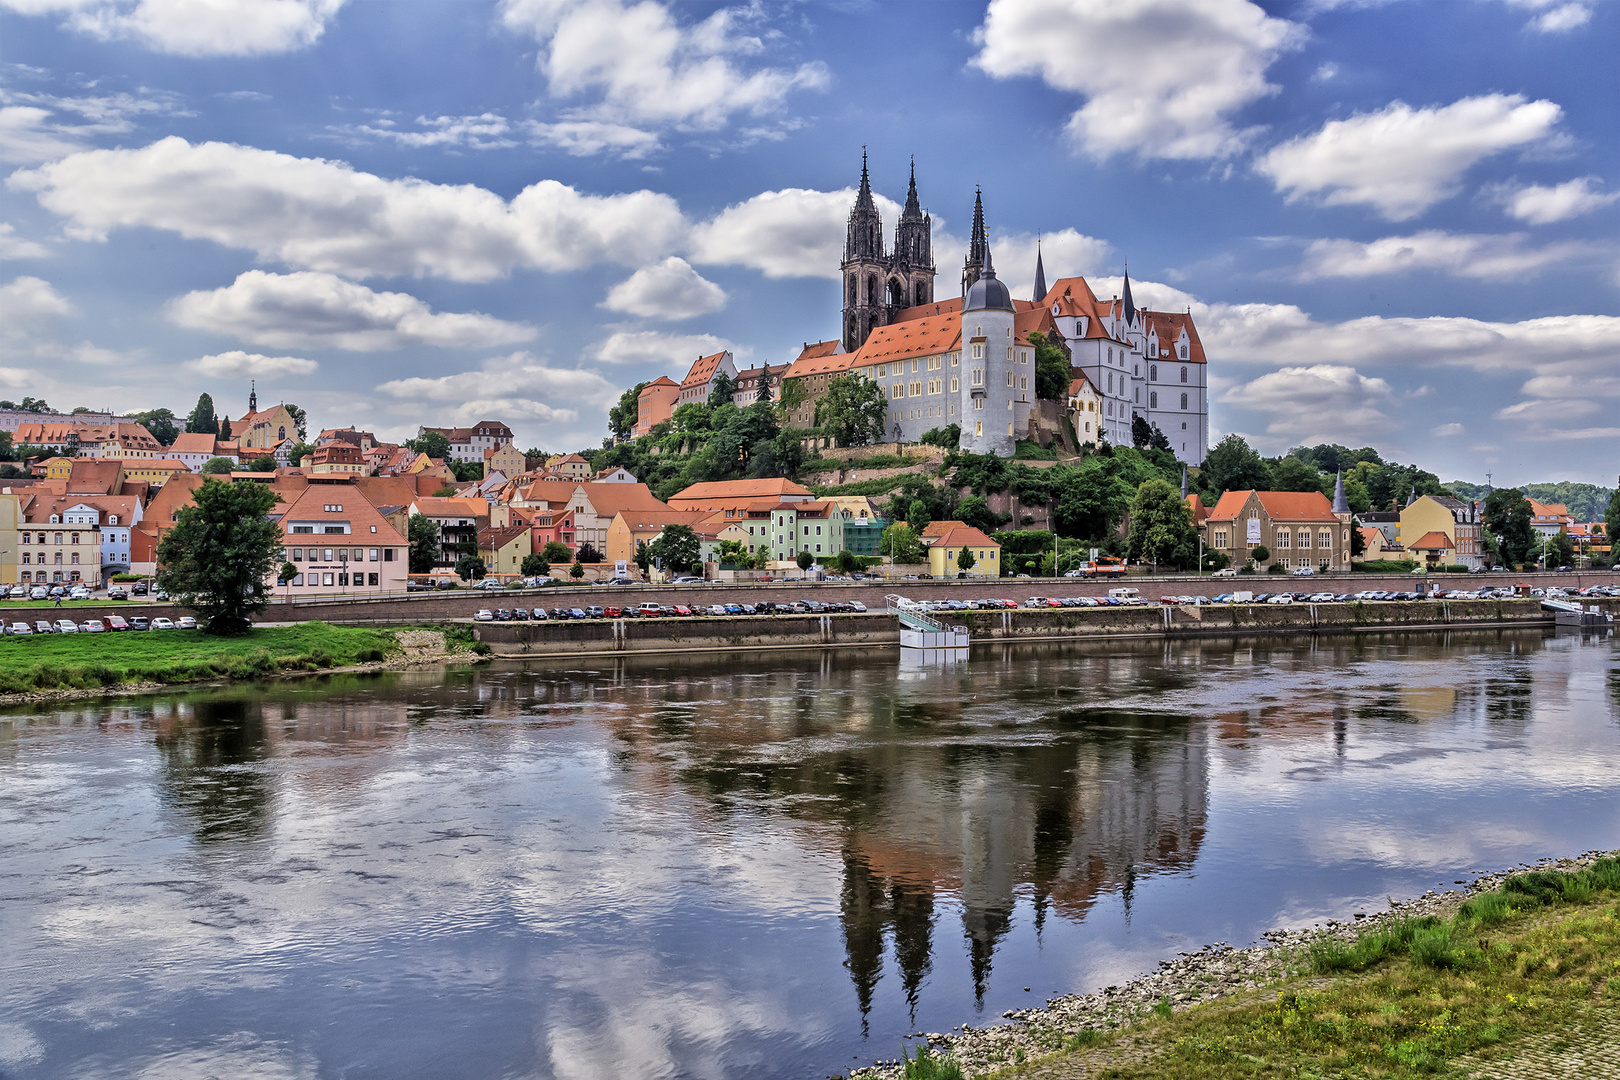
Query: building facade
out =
(1298, 529)
(879, 284)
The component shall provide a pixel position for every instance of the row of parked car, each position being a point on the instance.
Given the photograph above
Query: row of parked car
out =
(79, 592)
(111, 624)
(666, 611)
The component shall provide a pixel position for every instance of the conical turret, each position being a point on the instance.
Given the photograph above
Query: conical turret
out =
(1341, 505)
(1130, 306)
(986, 292)
(1040, 275)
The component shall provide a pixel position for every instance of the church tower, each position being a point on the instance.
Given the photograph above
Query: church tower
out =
(879, 284)
(986, 404)
(974, 263)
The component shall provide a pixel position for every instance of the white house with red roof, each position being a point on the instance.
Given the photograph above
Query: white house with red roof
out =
(700, 379)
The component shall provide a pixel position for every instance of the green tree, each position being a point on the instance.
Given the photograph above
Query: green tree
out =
(225, 429)
(471, 568)
(534, 565)
(7, 452)
(576, 571)
(720, 393)
(1144, 434)
(622, 417)
(847, 562)
(435, 444)
(424, 538)
(644, 555)
(901, 543)
(1508, 516)
(300, 420)
(917, 516)
(1234, 466)
(287, 573)
(1611, 524)
(27, 404)
(1259, 553)
(161, 423)
(804, 559)
(557, 551)
(975, 511)
(298, 451)
(1560, 550)
(677, 549)
(1296, 474)
(220, 552)
(1161, 526)
(852, 410)
(466, 472)
(965, 560)
(1052, 371)
(202, 417)
(1358, 542)
(948, 437)
(587, 554)
(218, 466)
(732, 553)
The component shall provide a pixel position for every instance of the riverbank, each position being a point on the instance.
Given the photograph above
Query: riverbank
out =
(1517, 965)
(66, 667)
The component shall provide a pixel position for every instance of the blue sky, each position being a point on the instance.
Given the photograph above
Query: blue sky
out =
(1394, 222)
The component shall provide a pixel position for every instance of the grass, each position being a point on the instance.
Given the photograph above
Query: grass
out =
(1515, 974)
(85, 661)
(928, 1065)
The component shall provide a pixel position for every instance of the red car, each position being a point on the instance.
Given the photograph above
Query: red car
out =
(117, 622)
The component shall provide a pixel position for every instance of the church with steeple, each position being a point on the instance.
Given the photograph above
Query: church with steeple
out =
(879, 284)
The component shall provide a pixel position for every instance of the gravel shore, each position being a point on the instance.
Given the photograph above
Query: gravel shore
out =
(1213, 972)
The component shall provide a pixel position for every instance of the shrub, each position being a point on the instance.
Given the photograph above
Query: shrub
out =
(322, 658)
(928, 1065)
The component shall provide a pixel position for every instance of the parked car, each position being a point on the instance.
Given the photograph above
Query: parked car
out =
(539, 614)
(520, 614)
(79, 592)
(66, 626)
(484, 615)
(576, 613)
(594, 612)
(117, 622)
(19, 629)
(160, 623)
(140, 622)
(138, 589)
(18, 592)
(185, 622)
(39, 592)
(1281, 598)
(502, 615)
(1304, 571)
(92, 626)
(857, 605)
(117, 592)
(43, 626)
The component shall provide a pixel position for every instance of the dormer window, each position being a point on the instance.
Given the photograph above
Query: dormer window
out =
(56, 519)
(112, 519)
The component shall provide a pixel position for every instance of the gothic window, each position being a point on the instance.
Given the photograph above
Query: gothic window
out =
(1183, 401)
(1184, 352)
(872, 289)
(1153, 372)
(853, 287)
(1183, 374)
(897, 293)
(1153, 401)
(922, 293)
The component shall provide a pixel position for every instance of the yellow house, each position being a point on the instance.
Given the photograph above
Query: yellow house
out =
(504, 549)
(58, 468)
(1376, 546)
(947, 547)
(157, 472)
(507, 460)
(262, 429)
(10, 519)
(1459, 522)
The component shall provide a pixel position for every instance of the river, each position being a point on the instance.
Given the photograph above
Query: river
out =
(770, 865)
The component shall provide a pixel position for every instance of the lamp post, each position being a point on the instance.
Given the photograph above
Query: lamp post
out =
(343, 563)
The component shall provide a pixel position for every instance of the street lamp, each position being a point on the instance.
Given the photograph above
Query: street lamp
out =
(343, 563)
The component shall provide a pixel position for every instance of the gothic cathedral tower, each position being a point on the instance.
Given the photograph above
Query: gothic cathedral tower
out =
(877, 285)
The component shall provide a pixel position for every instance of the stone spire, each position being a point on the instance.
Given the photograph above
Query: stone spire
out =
(977, 247)
(1341, 505)
(1130, 307)
(913, 210)
(1413, 497)
(865, 235)
(863, 201)
(1040, 275)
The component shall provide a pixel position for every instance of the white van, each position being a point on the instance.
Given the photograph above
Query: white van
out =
(1126, 595)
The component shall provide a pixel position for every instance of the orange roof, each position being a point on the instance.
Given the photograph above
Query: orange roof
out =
(724, 494)
(652, 522)
(312, 507)
(447, 508)
(819, 349)
(814, 361)
(609, 499)
(940, 528)
(703, 369)
(1080, 381)
(961, 536)
(97, 476)
(915, 337)
(1290, 506)
(1200, 512)
(1432, 540)
(1168, 325)
(1548, 511)
(193, 442)
(1367, 534)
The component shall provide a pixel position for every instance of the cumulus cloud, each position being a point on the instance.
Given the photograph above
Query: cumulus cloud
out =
(1541, 205)
(37, 127)
(237, 363)
(1550, 404)
(1446, 431)
(518, 386)
(29, 307)
(795, 232)
(1319, 403)
(324, 215)
(1065, 253)
(582, 138)
(1556, 16)
(195, 27)
(668, 290)
(13, 246)
(673, 351)
(1161, 78)
(635, 65)
(316, 310)
(1400, 160)
(486, 131)
(1460, 255)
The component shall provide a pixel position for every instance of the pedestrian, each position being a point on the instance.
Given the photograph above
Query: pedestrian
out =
(58, 599)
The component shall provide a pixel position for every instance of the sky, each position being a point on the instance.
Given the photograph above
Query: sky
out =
(1393, 222)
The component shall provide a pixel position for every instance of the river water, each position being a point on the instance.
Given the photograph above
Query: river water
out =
(773, 865)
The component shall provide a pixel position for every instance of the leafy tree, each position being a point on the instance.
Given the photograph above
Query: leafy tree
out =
(975, 511)
(644, 555)
(466, 471)
(8, 471)
(287, 573)
(622, 417)
(1508, 516)
(219, 553)
(1358, 543)
(471, 568)
(300, 420)
(435, 444)
(446, 492)
(1560, 550)
(1215, 560)
(576, 571)
(202, 417)
(847, 562)
(804, 559)
(27, 404)
(793, 394)
(917, 516)
(557, 551)
(1612, 523)
(161, 423)
(1161, 526)
(534, 565)
(733, 553)
(587, 553)
(424, 539)
(901, 542)
(1234, 466)
(1331, 457)
(720, 393)
(677, 549)
(262, 464)
(218, 467)
(7, 452)
(1296, 474)
(1259, 553)
(965, 560)
(225, 429)
(852, 410)
(1052, 371)
(948, 437)
(298, 451)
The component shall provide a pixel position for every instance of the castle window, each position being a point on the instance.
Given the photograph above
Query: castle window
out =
(1153, 401)
(956, 359)
(1023, 382)
(978, 352)
(898, 390)
(1184, 352)
(978, 428)
(1009, 378)
(916, 389)
(1183, 372)
(978, 376)
(1153, 372)
(1009, 354)
(956, 385)
(1183, 401)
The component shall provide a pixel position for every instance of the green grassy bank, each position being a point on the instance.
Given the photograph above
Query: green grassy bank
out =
(1520, 982)
(88, 661)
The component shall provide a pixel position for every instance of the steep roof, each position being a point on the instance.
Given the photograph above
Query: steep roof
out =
(495, 539)
(610, 499)
(450, 507)
(915, 337)
(720, 494)
(1431, 541)
(193, 442)
(814, 361)
(1169, 325)
(98, 476)
(644, 524)
(1289, 506)
(311, 507)
(703, 369)
(961, 536)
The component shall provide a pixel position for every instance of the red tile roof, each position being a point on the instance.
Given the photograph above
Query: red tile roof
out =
(1168, 326)
(1289, 506)
(725, 494)
(703, 369)
(1432, 540)
(961, 536)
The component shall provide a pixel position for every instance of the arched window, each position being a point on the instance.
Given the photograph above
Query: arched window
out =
(1153, 372)
(281, 432)
(1153, 400)
(872, 293)
(1184, 352)
(1183, 374)
(1183, 401)
(853, 286)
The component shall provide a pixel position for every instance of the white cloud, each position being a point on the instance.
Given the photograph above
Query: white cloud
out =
(27, 135)
(1402, 160)
(237, 363)
(1446, 431)
(315, 310)
(635, 65)
(1462, 255)
(1065, 253)
(13, 246)
(1162, 78)
(1319, 403)
(29, 307)
(37, 127)
(1550, 403)
(486, 131)
(582, 138)
(1556, 16)
(519, 386)
(323, 215)
(668, 290)
(673, 351)
(195, 27)
(1540, 205)
(794, 232)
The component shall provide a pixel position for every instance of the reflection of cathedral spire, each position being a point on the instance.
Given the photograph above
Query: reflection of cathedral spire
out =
(913, 909)
(862, 911)
(984, 928)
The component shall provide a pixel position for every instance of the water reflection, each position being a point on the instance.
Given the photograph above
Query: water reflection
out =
(212, 772)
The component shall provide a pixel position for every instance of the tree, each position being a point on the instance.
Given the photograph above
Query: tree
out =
(225, 429)
(298, 451)
(622, 417)
(1234, 466)
(587, 553)
(28, 404)
(7, 452)
(576, 571)
(917, 516)
(557, 551)
(720, 393)
(1296, 474)
(1358, 542)
(1052, 371)
(534, 565)
(1144, 434)
(424, 538)
(1508, 516)
(804, 559)
(287, 573)
(1560, 550)
(218, 466)
(847, 562)
(644, 555)
(1612, 523)
(948, 437)
(732, 553)
(263, 464)
(965, 560)
(677, 549)
(160, 423)
(219, 553)
(471, 568)
(1259, 553)
(300, 420)
(435, 444)
(202, 417)
(1161, 526)
(975, 511)
(466, 472)
(852, 410)
(902, 544)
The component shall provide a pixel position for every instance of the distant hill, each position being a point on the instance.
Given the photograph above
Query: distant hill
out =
(1586, 502)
